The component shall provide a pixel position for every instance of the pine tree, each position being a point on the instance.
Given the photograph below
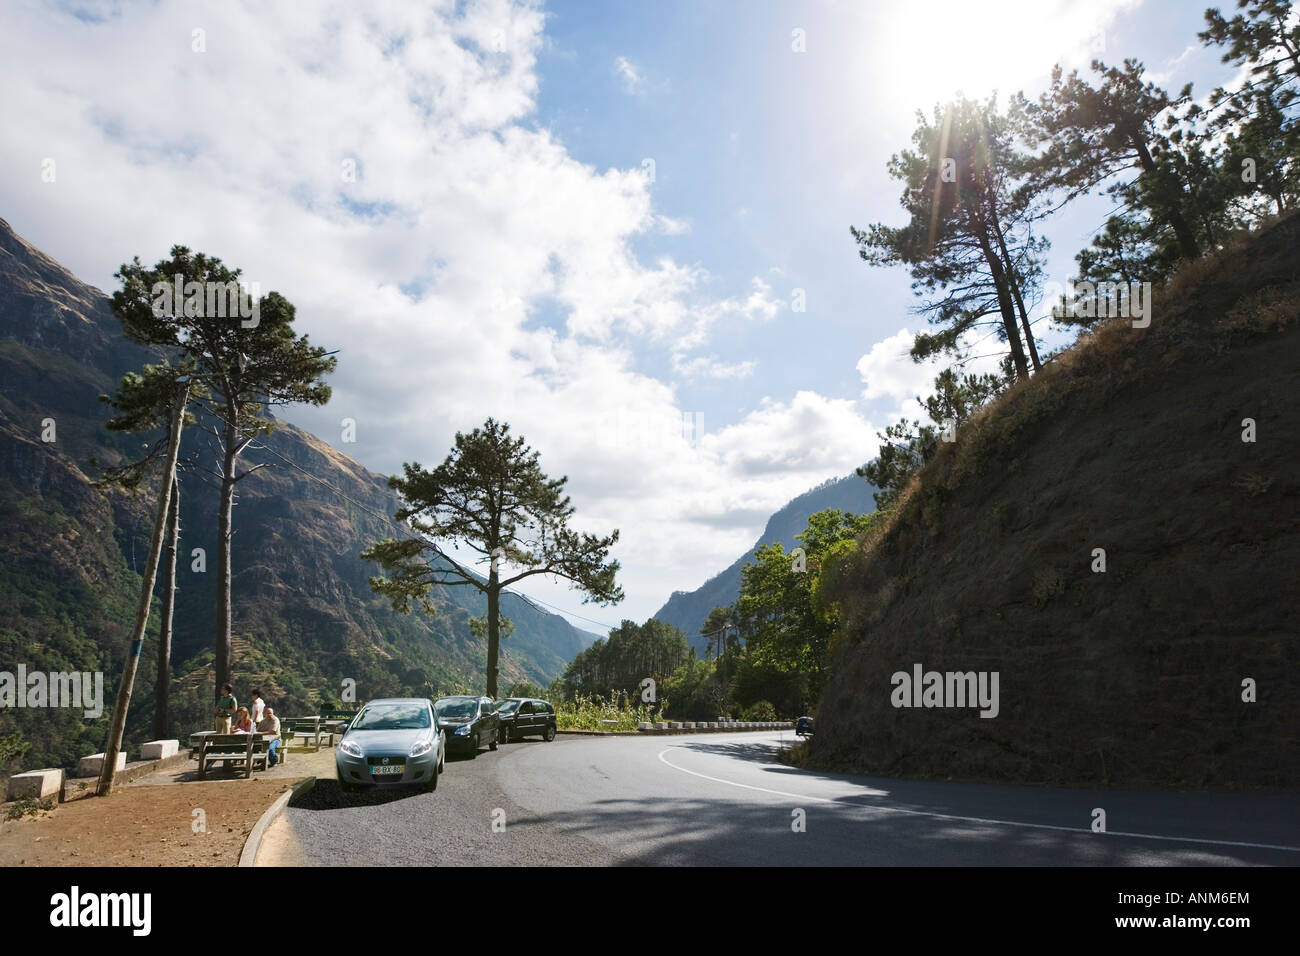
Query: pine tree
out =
(490, 497)
(243, 353)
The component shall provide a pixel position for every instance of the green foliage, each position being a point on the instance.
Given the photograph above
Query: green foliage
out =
(524, 688)
(12, 748)
(906, 446)
(968, 246)
(788, 637)
(30, 806)
(696, 690)
(244, 363)
(762, 710)
(489, 497)
(631, 653)
(598, 713)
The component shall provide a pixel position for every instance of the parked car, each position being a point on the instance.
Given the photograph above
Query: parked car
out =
(524, 717)
(803, 727)
(468, 722)
(391, 741)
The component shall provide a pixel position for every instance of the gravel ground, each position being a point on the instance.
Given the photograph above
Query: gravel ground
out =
(453, 826)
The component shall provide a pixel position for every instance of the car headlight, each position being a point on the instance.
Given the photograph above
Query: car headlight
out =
(462, 730)
(351, 749)
(421, 748)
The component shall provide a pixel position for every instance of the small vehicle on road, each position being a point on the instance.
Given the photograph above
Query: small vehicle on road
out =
(525, 717)
(391, 741)
(803, 727)
(468, 722)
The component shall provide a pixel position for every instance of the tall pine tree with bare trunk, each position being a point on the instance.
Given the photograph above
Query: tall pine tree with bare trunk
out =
(244, 353)
(490, 499)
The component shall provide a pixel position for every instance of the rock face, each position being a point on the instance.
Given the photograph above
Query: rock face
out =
(1178, 665)
(304, 616)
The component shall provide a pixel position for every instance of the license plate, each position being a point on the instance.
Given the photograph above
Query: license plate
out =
(381, 770)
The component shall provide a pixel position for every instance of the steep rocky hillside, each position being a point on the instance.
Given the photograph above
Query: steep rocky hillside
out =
(304, 617)
(1131, 442)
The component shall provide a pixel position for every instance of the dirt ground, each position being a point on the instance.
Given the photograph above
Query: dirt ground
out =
(167, 819)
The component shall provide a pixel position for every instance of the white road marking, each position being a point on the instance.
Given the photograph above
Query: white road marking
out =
(984, 820)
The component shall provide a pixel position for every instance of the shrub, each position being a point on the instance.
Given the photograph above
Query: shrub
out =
(591, 713)
(761, 710)
(29, 806)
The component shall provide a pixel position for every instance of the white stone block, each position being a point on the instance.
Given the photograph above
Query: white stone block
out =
(36, 783)
(159, 749)
(93, 765)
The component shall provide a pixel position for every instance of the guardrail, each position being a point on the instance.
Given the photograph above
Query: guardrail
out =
(711, 726)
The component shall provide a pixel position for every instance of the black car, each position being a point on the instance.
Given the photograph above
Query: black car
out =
(468, 722)
(526, 717)
(803, 726)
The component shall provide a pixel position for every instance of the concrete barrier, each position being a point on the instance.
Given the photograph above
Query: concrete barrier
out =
(93, 765)
(159, 749)
(661, 726)
(36, 783)
(645, 725)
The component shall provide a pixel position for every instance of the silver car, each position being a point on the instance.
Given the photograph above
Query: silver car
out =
(390, 742)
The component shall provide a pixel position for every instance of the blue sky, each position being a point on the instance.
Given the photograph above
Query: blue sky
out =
(504, 249)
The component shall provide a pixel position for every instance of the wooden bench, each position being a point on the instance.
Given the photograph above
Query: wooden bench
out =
(248, 751)
(337, 722)
(309, 728)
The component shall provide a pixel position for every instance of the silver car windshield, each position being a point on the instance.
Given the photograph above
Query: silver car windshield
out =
(392, 717)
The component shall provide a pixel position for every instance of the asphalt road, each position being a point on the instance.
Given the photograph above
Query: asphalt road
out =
(722, 799)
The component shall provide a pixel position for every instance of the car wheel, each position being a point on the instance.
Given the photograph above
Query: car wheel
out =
(433, 781)
(473, 743)
(505, 735)
(549, 734)
(496, 739)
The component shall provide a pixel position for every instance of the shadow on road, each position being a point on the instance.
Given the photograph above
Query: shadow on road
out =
(327, 795)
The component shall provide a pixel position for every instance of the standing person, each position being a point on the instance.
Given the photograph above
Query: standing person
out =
(256, 707)
(269, 726)
(226, 707)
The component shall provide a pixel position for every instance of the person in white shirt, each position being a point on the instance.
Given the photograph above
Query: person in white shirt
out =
(257, 706)
(269, 726)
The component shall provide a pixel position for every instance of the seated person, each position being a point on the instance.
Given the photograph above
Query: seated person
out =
(269, 726)
(243, 722)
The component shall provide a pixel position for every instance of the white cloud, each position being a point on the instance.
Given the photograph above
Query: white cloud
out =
(631, 77)
(473, 267)
(711, 367)
(889, 372)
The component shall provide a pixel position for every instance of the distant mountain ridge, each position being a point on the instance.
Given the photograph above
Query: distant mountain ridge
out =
(689, 609)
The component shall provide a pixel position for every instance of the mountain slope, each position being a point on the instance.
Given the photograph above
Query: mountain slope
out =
(304, 617)
(1131, 442)
(689, 609)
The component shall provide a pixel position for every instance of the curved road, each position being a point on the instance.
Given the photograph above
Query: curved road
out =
(722, 799)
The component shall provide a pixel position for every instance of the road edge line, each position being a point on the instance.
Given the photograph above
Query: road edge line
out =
(248, 856)
(980, 820)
